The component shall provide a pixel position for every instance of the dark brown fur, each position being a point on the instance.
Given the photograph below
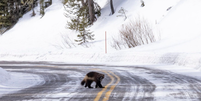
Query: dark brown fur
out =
(93, 76)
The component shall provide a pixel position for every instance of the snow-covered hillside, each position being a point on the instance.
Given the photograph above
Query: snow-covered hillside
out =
(42, 39)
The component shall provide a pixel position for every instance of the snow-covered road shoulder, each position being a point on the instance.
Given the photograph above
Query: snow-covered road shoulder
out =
(13, 81)
(5, 76)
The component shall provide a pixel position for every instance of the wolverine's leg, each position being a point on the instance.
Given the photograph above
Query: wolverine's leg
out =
(89, 82)
(98, 84)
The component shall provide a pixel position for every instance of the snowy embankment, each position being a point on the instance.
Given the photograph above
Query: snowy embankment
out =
(5, 76)
(13, 81)
(190, 60)
(41, 39)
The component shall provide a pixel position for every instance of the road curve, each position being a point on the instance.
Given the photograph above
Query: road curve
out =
(62, 83)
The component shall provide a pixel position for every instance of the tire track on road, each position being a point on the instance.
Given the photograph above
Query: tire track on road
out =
(132, 88)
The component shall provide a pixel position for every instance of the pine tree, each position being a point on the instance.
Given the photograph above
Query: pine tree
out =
(84, 34)
(12, 10)
(5, 15)
(72, 8)
(31, 4)
(122, 13)
(82, 15)
(42, 8)
(142, 3)
(48, 3)
(80, 19)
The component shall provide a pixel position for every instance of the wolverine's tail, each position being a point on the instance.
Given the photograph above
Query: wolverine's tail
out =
(83, 82)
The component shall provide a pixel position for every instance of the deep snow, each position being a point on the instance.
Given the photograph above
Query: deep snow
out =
(42, 39)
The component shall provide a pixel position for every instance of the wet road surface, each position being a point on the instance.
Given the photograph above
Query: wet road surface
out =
(62, 83)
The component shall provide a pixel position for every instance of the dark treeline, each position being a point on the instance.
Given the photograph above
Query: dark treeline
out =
(12, 10)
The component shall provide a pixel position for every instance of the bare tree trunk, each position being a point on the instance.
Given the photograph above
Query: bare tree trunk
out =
(91, 11)
(50, 2)
(83, 3)
(111, 6)
(32, 7)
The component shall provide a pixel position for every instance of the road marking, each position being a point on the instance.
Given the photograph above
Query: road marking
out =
(101, 92)
(107, 94)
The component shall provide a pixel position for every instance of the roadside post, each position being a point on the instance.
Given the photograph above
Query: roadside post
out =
(105, 42)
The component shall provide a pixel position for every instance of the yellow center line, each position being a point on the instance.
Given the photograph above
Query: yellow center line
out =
(107, 94)
(101, 92)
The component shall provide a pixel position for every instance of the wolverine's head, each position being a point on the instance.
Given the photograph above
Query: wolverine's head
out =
(101, 77)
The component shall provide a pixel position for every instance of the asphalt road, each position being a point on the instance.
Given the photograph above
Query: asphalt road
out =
(62, 83)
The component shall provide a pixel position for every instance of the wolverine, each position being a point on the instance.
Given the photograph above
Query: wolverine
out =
(93, 76)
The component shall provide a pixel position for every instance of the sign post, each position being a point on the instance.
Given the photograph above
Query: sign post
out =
(105, 42)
